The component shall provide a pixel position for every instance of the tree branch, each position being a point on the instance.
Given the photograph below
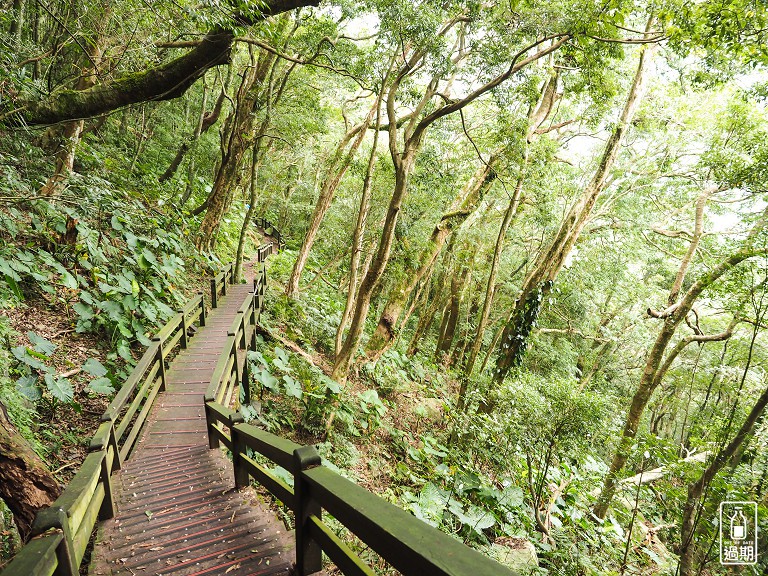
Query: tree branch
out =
(164, 82)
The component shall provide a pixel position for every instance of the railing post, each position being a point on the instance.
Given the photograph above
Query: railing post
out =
(245, 383)
(108, 507)
(242, 478)
(308, 553)
(202, 309)
(161, 359)
(214, 297)
(184, 326)
(213, 441)
(57, 519)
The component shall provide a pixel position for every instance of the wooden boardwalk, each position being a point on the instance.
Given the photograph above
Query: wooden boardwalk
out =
(178, 513)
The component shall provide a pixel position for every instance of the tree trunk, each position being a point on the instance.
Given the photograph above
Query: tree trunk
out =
(691, 513)
(336, 172)
(514, 341)
(461, 208)
(26, 484)
(68, 135)
(451, 314)
(426, 318)
(239, 129)
(657, 364)
(490, 288)
(379, 263)
(163, 82)
(403, 159)
(205, 121)
(538, 114)
(358, 236)
(17, 22)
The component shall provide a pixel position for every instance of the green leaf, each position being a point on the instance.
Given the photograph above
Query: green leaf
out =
(282, 354)
(102, 386)
(292, 387)
(330, 384)
(41, 344)
(266, 379)
(59, 387)
(83, 310)
(21, 353)
(27, 386)
(94, 367)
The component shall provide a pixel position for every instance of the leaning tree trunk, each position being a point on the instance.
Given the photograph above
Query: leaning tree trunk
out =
(336, 171)
(537, 284)
(697, 489)
(658, 361)
(205, 121)
(370, 281)
(26, 484)
(536, 117)
(239, 130)
(461, 208)
(451, 314)
(358, 236)
(509, 215)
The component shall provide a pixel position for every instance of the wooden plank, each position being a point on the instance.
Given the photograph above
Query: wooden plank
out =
(408, 544)
(277, 449)
(276, 487)
(37, 558)
(340, 554)
(170, 327)
(129, 442)
(79, 492)
(219, 370)
(82, 536)
(125, 421)
(131, 382)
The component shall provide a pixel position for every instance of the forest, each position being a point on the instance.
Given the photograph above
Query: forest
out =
(522, 292)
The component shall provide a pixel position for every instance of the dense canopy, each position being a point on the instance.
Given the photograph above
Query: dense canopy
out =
(523, 291)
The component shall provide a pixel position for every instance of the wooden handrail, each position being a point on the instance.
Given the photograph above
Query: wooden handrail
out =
(61, 532)
(408, 544)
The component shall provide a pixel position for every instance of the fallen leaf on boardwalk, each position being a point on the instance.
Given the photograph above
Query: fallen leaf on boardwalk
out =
(156, 548)
(233, 567)
(149, 514)
(232, 518)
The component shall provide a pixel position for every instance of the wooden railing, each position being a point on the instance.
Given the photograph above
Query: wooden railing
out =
(220, 282)
(405, 542)
(265, 224)
(61, 532)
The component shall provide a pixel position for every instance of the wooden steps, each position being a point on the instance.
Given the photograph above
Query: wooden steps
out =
(178, 512)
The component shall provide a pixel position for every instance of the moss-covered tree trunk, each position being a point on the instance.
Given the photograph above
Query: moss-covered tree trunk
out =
(165, 81)
(461, 208)
(67, 135)
(358, 236)
(26, 484)
(658, 361)
(336, 171)
(239, 130)
(451, 314)
(550, 261)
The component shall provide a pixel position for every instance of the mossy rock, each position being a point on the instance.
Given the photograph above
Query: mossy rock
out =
(10, 541)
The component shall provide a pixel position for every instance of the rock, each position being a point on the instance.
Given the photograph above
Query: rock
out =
(515, 553)
(429, 408)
